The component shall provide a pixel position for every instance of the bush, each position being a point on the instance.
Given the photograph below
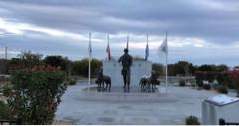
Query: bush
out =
(4, 111)
(7, 90)
(192, 120)
(199, 83)
(182, 83)
(222, 89)
(71, 81)
(206, 87)
(36, 94)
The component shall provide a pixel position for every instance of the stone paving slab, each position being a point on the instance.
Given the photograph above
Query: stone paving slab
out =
(81, 107)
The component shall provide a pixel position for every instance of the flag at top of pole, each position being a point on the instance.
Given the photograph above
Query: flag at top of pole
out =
(147, 49)
(164, 48)
(90, 54)
(108, 47)
(127, 44)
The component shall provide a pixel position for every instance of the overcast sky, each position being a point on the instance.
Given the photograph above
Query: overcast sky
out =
(200, 31)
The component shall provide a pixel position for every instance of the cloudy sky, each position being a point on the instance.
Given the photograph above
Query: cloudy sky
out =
(200, 31)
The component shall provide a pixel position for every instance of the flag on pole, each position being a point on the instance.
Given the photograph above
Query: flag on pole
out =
(127, 44)
(164, 48)
(90, 54)
(108, 48)
(147, 49)
(89, 47)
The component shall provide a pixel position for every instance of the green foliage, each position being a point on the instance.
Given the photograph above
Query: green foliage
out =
(180, 68)
(182, 83)
(234, 77)
(192, 120)
(212, 68)
(7, 88)
(199, 82)
(206, 87)
(4, 111)
(30, 59)
(36, 95)
(71, 81)
(222, 89)
(26, 60)
(158, 68)
(57, 61)
(81, 67)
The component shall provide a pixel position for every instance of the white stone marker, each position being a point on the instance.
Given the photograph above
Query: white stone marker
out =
(220, 106)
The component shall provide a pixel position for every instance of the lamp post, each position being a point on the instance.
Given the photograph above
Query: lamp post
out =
(6, 48)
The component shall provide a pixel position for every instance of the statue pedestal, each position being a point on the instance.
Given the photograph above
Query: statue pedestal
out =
(139, 68)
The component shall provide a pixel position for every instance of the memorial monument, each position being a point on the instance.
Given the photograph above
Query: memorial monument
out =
(138, 69)
(126, 61)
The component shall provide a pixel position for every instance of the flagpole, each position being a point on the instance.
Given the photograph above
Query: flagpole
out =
(127, 44)
(166, 71)
(89, 70)
(108, 46)
(146, 55)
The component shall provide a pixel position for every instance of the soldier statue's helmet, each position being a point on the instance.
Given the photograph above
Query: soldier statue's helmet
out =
(126, 50)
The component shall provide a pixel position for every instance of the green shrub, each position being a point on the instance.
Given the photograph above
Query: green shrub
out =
(206, 87)
(36, 95)
(7, 90)
(182, 83)
(199, 83)
(222, 89)
(4, 111)
(71, 81)
(192, 120)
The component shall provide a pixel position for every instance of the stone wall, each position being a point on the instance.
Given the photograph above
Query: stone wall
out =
(139, 68)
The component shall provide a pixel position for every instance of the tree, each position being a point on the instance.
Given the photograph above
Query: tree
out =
(181, 68)
(30, 60)
(234, 76)
(81, 67)
(24, 61)
(158, 68)
(36, 89)
(35, 94)
(57, 61)
(213, 68)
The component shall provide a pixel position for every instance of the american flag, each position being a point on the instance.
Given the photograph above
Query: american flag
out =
(147, 49)
(90, 48)
(108, 48)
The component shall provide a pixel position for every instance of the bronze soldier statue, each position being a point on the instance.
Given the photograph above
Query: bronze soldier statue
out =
(126, 61)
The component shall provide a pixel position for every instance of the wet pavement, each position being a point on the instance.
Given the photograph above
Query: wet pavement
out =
(83, 105)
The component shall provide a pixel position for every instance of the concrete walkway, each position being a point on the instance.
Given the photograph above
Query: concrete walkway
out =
(80, 106)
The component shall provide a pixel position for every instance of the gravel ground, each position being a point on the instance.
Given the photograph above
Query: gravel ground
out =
(82, 106)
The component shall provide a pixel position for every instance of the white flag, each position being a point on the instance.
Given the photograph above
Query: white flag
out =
(164, 46)
(89, 47)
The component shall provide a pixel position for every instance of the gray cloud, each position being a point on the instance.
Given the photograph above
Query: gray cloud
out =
(214, 21)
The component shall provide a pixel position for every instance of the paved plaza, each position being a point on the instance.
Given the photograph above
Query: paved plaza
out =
(81, 105)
